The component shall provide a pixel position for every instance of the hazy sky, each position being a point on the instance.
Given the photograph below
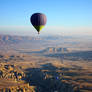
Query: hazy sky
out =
(63, 16)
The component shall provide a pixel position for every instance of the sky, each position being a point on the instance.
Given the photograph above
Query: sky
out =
(67, 17)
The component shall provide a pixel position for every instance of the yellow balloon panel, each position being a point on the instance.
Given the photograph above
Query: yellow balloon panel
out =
(39, 28)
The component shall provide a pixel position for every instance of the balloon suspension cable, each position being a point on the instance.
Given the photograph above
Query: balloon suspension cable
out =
(38, 32)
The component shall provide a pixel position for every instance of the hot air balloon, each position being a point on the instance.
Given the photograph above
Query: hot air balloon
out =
(38, 20)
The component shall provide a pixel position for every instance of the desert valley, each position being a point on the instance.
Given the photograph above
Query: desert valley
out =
(45, 64)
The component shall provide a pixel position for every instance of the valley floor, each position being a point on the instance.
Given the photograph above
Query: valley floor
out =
(27, 73)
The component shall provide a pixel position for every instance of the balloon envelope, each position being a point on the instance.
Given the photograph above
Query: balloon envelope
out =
(38, 20)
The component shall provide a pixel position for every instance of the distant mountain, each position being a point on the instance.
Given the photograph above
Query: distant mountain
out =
(51, 43)
(9, 39)
(16, 39)
(30, 42)
(49, 50)
(54, 50)
(74, 56)
(8, 42)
